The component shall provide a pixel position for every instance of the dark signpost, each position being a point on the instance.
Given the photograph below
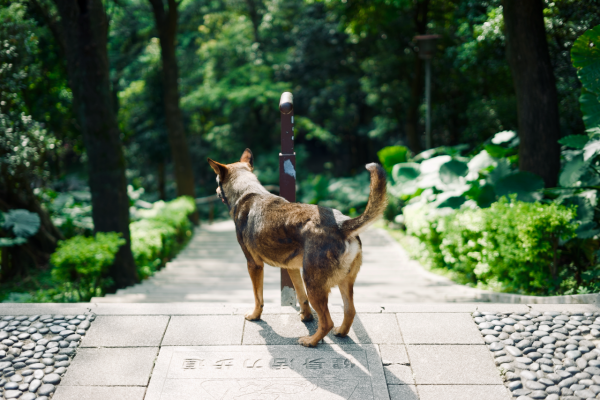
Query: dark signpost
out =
(287, 180)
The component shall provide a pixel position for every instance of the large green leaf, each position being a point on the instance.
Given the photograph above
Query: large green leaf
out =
(452, 171)
(585, 211)
(405, 172)
(587, 230)
(591, 149)
(497, 151)
(503, 137)
(573, 171)
(453, 202)
(525, 185)
(23, 223)
(502, 169)
(8, 242)
(585, 55)
(480, 161)
(590, 108)
(574, 141)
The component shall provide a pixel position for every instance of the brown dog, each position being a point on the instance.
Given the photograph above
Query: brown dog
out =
(320, 241)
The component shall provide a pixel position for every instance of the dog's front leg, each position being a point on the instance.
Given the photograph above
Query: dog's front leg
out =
(305, 312)
(257, 274)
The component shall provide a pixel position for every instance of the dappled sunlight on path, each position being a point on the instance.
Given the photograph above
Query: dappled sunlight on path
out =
(212, 268)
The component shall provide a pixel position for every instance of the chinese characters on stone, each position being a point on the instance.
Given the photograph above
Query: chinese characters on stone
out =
(279, 363)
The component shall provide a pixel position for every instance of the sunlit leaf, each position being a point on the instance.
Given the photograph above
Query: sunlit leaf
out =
(23, 223)
(573, 171)
(503, 137)
(452, 171)
(405, 172)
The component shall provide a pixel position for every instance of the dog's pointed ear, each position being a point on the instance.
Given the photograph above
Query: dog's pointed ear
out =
(247, 157)
(220, 169)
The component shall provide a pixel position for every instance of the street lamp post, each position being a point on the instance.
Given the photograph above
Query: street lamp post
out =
(426, 50)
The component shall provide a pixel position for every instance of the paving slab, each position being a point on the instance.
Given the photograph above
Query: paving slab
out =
(99, 393)
(430, 307)
(403, 392)
(397, 374)
(393, 354)
(436, 328)
(111, 367)
(453, 365)
(172, 308)
(277, 372)
(287, 328)
(204, 330)
(463, 392)
(126, 331)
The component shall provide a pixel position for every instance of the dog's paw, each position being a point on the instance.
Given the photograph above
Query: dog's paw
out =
(306, 317)
(252, 316)
(306, 341)
(336, 332)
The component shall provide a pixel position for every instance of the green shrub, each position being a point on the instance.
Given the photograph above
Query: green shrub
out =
(512, 246)
(80, 265)
(160, 233)
(392, 155)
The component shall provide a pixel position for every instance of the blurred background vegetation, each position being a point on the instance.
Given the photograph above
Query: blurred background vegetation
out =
(109, 108)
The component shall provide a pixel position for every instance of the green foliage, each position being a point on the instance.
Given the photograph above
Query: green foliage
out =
(80, 266)
(392, 155)
(22, 223)
(512, 246)
(23, 141)
(574, 141)
(586, 58)
(160, 233)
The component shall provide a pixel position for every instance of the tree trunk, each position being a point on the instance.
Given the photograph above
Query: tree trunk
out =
(535, 87)
(166, 24)
(162, 190)
(416, 90)
(85, 27)
(254, 17)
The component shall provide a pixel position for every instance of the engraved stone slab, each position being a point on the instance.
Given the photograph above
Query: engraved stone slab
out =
(268, 373)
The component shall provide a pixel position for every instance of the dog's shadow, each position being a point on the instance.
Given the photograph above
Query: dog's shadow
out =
(327, 371)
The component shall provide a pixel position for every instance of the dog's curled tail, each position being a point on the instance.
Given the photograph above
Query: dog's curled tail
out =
(375, 206)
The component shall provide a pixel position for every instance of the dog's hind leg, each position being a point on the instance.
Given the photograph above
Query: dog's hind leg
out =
(305, 312)
(347, 290)
(256, 272)
(318, 299)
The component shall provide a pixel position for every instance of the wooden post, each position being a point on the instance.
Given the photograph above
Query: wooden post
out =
(287, 180)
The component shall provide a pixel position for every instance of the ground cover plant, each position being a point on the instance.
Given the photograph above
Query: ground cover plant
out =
(487, 224)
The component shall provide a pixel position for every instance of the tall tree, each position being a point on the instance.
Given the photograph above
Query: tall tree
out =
(166, 24)
(84, 28)
(535, 87)
(421, 9)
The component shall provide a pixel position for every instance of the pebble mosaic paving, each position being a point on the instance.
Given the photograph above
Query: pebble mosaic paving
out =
(545, 355)
(35, 352)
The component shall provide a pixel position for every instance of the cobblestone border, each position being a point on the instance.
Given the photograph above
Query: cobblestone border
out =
(35, 352)
(550, 355)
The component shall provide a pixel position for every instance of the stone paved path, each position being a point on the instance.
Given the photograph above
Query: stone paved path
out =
(190, 351)
(212, 268)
